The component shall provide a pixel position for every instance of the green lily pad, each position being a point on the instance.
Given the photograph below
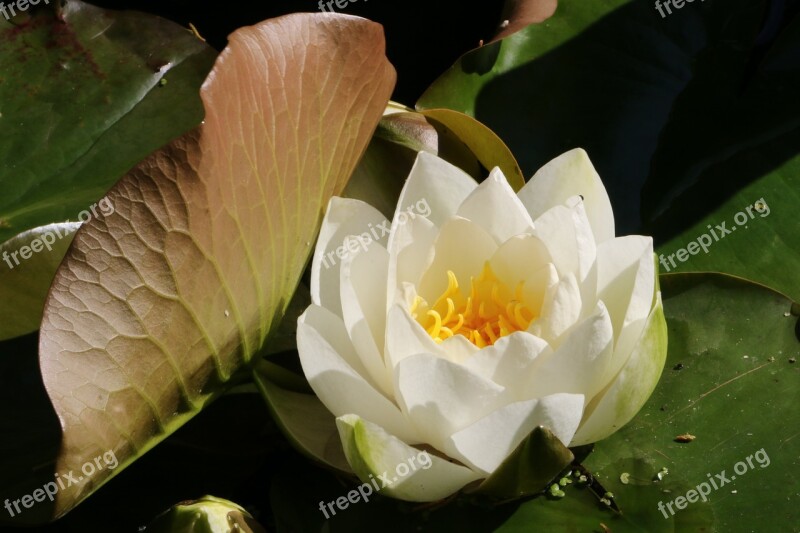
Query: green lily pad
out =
(733, 386)
(678, 113)
(755, 234)
(83, 99)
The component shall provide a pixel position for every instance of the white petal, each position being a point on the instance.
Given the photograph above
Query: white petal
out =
(458, 349)
(560, 311)
(566, 232)
(434, 189)
(626, 282)
(345, 220)
(339, 386)
(588, 289)
(332, 328)
(411, 251)
(432, 194)
(462, 247)
(631, 388)
(570, 174)
(441, 397)
(580, 364)
(514, 260)
(377, 455)
(487, 442)
(540, 286)
(509, 360)
(363, 279)
(405, 337)
(496, 208)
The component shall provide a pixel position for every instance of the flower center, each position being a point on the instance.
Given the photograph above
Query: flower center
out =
(489, 312)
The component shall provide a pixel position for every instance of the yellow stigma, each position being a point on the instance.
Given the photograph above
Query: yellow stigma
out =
(489, 312)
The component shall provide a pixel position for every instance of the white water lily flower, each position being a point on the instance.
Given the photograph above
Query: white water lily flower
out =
(475, 316)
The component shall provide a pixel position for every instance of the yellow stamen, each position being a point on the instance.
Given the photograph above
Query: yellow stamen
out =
(437, 324)
(487, 313)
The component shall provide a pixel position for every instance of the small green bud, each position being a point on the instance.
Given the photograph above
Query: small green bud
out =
(206, 515)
